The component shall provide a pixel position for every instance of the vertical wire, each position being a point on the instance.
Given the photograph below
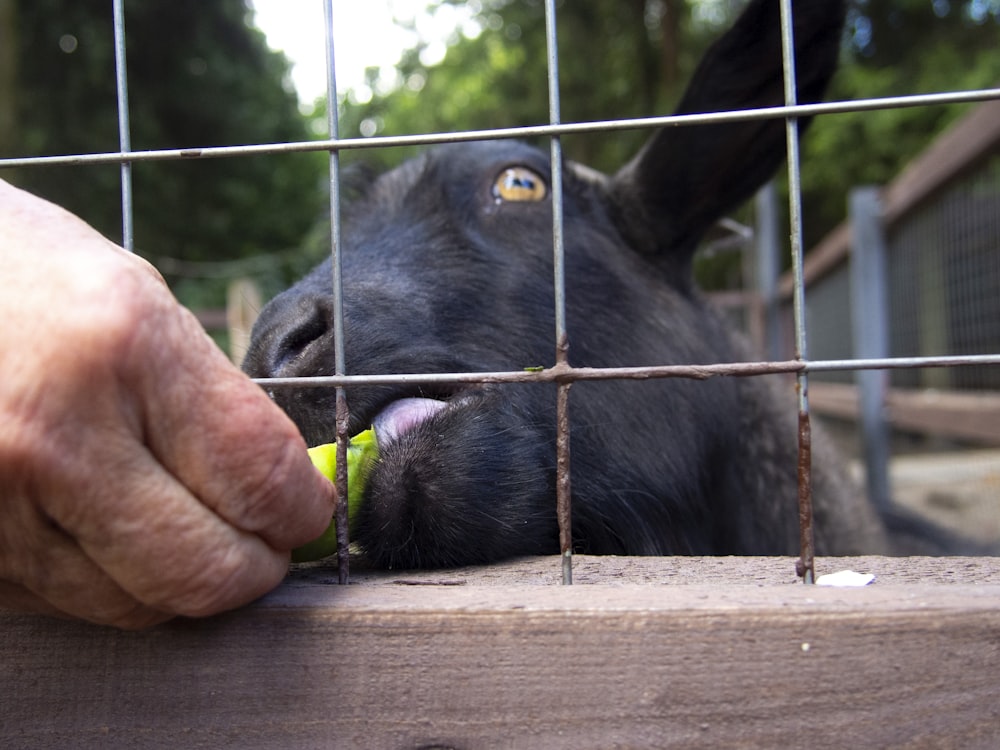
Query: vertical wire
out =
(563, 496)
(124, 138)
(340, 359)
(806, 563)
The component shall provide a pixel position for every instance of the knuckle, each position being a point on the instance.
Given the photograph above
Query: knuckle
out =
(117, 306)
(270, 477)
(231, 579)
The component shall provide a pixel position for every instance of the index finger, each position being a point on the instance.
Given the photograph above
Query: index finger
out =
(233, 447)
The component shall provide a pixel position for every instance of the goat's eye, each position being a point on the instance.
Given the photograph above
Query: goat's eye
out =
(519, 184)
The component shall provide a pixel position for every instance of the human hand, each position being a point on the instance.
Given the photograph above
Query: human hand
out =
(142, 475)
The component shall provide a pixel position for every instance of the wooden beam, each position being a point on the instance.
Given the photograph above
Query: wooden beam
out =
(963, 415)
(692, 652)
(832, 251)
(959, 148)
(963, 146)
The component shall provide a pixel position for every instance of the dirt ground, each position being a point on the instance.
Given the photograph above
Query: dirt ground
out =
(959, 489)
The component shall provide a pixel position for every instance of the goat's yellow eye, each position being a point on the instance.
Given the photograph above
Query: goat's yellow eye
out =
(519, 184)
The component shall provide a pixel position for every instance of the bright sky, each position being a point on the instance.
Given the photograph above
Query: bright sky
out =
(365, 35)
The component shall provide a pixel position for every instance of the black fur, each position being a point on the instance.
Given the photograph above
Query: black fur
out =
(441, 276)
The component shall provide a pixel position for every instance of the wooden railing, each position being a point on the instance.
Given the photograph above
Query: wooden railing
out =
(966, 416)
(639, 652)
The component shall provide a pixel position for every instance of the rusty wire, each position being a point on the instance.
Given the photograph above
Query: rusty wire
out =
(568, 373)
(564, 514)
(343, 414)
(805, 567)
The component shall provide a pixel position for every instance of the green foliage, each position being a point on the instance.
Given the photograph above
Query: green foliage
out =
(612, 64)
(198, 75)
(895, 48)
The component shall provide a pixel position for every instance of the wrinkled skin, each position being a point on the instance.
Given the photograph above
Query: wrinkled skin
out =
(442, 274)
(121, 503)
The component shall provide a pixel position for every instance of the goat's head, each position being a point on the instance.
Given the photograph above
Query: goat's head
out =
(447, 267)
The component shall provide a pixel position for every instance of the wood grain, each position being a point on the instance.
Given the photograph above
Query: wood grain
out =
(640, 652)
(962, 147)
(972, 416)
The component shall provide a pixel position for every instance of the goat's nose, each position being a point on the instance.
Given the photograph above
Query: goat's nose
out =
(287, 326)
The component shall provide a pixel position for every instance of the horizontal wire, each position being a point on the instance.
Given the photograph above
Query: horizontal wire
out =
(531, 131)
(567, 373)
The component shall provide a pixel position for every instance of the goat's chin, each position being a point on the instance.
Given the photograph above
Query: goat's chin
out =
(465, 482)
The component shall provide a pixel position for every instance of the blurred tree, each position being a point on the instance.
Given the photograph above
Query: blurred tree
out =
(198, 75)
(617, 58)
(895, 48)
(8, 76)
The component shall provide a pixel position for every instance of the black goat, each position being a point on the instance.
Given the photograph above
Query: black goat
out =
(448, 267)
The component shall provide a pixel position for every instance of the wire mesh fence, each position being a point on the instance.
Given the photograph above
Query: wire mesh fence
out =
(814, 350)
(935, 295)
(945, 285)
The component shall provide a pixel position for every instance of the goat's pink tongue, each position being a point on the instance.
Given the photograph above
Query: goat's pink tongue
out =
(403, 415)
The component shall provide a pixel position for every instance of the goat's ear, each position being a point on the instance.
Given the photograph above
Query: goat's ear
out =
(686, 177)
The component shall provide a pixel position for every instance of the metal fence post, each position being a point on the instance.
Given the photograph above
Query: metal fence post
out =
(768, 271)
(870, 328)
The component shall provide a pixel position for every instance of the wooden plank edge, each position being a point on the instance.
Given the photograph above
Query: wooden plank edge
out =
(960, 147)
(421, 664)
(973, 416)
(957, 149)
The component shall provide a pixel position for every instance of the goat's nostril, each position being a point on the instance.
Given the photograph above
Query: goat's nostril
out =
(286, 328)
(303, 332)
